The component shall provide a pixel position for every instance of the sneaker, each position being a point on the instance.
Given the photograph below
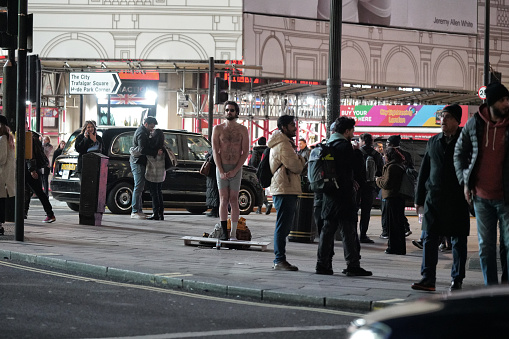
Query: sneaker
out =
(357, 272)
(49, 219)
(407, 233)
(456, 285)
(268, 209)
(366, 240)
(424, 285)
(233, 239)
(138, 215)
(384, 236)
(417, 243)
(259, 211)
(285, 266)
(443, 247)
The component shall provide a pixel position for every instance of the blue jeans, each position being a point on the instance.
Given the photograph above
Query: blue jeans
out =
(430, 244)
(488, 213)
(285, 211)
(139, 184)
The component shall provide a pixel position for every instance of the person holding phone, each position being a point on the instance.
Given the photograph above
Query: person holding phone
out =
(88, 141)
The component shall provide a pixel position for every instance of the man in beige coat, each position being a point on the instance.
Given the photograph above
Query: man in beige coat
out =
(285, 186)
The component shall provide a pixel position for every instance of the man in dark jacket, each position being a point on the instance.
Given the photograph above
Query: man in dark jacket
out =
(33, 178)
(339, 210)
(441, 196)
(369, 190)
(139, 163)
(482, 167)
(254, 161)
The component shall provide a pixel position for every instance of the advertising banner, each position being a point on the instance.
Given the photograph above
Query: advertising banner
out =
(398, 115)
(434, 15)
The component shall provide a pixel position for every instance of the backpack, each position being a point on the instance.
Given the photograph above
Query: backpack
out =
(255, 158)
(370, 163)
(322, 173)
(263, 172)
(407, 188)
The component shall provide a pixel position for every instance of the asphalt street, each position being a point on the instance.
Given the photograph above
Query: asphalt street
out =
(40, 303)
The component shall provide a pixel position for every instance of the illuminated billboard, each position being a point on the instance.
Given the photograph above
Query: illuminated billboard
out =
(433, 15)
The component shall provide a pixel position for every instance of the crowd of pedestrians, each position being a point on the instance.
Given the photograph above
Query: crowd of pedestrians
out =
(463, 171)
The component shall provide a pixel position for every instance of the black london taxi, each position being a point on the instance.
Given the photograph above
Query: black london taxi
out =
(184, 186)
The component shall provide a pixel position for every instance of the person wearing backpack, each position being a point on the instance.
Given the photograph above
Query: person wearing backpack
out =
(339, 209)
(254, 161)
(395, 141)
(286, 166)
(373, 163)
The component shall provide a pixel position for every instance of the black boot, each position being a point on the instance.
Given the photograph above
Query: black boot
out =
(161, 213)
(224, 227)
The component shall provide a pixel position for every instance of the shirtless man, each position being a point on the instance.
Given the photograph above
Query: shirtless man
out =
(230, 144)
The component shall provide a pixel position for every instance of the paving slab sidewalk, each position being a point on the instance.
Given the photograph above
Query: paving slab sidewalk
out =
(152, 252)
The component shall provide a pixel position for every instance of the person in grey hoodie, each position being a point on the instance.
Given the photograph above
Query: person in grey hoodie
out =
(482, 166)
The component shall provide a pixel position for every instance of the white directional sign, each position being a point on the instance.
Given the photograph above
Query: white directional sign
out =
(94, 83)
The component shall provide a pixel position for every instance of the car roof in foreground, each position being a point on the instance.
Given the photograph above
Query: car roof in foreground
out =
(482, 298)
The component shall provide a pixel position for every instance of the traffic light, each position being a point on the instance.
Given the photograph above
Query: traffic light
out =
(221, 90)
(33, 77)
(8, 24)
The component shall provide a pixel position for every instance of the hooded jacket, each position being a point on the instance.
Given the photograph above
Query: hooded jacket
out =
(466, 152)
(285, 164)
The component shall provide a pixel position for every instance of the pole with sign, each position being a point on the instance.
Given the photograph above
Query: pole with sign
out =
(94, 83)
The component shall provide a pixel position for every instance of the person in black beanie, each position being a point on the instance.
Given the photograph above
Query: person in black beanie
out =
(482, 168)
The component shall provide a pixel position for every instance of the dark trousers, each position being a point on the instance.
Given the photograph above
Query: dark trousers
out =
(45, 181)
(2, 210)
(367, 196)
(351, 249)
(393, 213)
(35, 186)
(430, 256)
(156, 195)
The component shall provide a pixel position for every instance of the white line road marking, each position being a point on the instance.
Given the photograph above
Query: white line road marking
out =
(235, 332)
(181, 293)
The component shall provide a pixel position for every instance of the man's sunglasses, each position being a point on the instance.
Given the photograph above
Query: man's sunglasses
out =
(230, 110)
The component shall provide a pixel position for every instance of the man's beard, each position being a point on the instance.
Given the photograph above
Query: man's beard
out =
(500, 114)
(230, 118)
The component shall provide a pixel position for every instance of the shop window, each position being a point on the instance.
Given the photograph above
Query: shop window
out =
(198, 147)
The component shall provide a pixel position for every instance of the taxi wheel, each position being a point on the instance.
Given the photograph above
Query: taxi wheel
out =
(120, 197)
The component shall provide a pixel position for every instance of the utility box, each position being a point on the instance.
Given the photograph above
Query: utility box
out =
(94, 178)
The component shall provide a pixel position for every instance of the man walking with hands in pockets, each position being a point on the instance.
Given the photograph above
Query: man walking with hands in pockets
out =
(230, 144)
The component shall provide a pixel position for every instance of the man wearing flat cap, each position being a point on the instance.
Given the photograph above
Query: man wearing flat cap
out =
(445, 210)
(482, 168)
